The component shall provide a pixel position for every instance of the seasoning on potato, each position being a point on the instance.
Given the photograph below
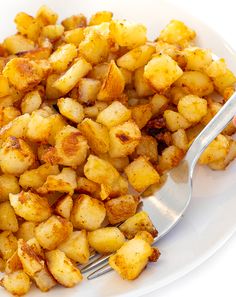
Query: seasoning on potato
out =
(91, 110)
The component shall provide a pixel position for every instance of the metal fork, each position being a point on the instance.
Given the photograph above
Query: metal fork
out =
(167, 206)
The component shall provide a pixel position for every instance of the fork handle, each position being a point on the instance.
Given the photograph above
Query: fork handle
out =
(209, 133)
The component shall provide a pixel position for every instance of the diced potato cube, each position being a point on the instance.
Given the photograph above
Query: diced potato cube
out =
(71, 109)
(177, 32)
(176, 93)
(52, 232)
(27, 25)
(16, 156)
(8, 184)
(161, 72)
(71, 77)
(4, 86)
(62, 56)
(106, 240)
(17, 283)
(158, 103)
(147, 147)
(96, 134)
(87, 213)
(128, 76)
(88, 90)
(99, 71)
(86, 186)
(141, 86)
(8, 114)
(139, 222)
(31, 102)
(121, 208)
(224, 81)
(53, 32)
(62, 269)
(180, 139)
(30, 206)
(170, 157)
(216, 150)
(17, 44)
(197, 58)
(8, 220)
(196, 82)
(64, 206)
(141, 114)
(113, 84)
(131, 258)
(76, 247)
(128, 34)
(118, 163)
(100, 17)
(74, 36)
(44, 280)
(123, 139)
(46, 16)
(8, 244)
(175, 121)
(137, 57)
(52, 92)
(26, 231)
(216, 68)
(13, 263)
(74, 21)
(116, 113)
(64, 182)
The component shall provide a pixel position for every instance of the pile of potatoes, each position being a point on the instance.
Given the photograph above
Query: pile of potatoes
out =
(88, 110)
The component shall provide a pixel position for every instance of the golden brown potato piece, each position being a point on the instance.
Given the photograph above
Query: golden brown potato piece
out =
(174, 120)
(31, 102)
(71, 109)
(62, 56)
(8, 244)
(46, 16)
(158, 104)
(121, 208)
(100, 17)
(88, 89)
(170, 157)
(74, 21)
(30, 206)
(138, 222)
(17, 44)
(17, 283)
(53, 33)
(76, 247)
(106, 240)
(141, 174)
(147, 147)
(13, 263)
(8, 114)
(197, 58)
(86, 186)
(141, 86)
(27, 25)
(62, 269)
(8, 184)
(180, 139)
(26, 231)
(141, 114)
(53, 232)
(74, 36)
(113, 84)
(44, 280)
(4, 86)
(87, 213)
(131, 258)
(64, 206)
(8, 220)
(161, 71)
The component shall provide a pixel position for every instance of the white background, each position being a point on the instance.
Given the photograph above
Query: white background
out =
(217, 276)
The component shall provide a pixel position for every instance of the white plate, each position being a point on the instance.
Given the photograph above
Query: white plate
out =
(210, 218)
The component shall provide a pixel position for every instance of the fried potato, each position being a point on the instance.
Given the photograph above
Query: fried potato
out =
(141, 114)
(74, 21)
(4, 86)
(8, 114)
(26, 231)
(71, 109)
(74, 36)
(62, 56)
(52, 232)
(46, 16)
(197, 58)
(8, 184)
(8, 220)
(86, 186)
(27, 25)
(44, 280)
(13, 263)
(87, 213)
(88, 89)
(52, 92)
(176, 93)
(141, 86)
(52, 32)
(170, 157)
(31, 102)
(147, 147)
(64, 206)
(158, 104)
(17, 283)
(180, 139)
(8, 244)
(100, 17)
(175, 121)
(17, 44)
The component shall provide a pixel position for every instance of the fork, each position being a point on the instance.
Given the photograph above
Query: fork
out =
(167, 206)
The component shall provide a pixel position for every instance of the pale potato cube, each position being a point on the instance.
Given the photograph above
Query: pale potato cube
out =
(141, 86)
(123, 139)
(16, 156)
(175, 121)
(17, 283)
(31, 102)
(26, 231)
(62, 269)
(100, 17)
(138, 222)
(147, 147)
(170, 157)
(216, 68)
(216, 150)
(96, 134)
(76, 247)
(141, 114)
(62, 57)
(131, 258)
(116, 113)
(161, 72)
(8, 244)
(17, 44)
(53, 32)
(180, 139)
(64, 182)
(44, 280)
(25, 74)
(74, 36)
(13, 263)
(193, 108)
(35, 178)
(74, 21)
(106, 240)
(52, 232)
(88, 90)
(113, 84)
(141, 174)
(87, 213)
(46, 16)
(136, 58)
(196, 82)
(99, 71)
(128, 34)
(176, 32)
(121, 208)
(71, 109)
(94, 47)
(8, 184)
(8, 220)
(64, 206)
(27, 25)
(4, 86)
(158, 104)
(30, 206)
(197, 58)
(71, 77)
